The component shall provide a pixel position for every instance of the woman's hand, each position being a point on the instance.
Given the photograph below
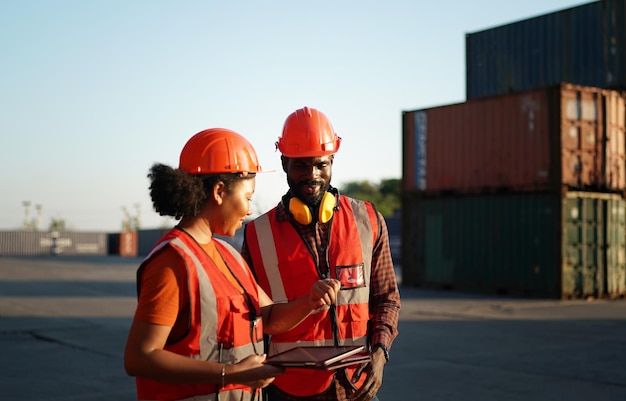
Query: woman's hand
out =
(324, 292)
(252, 372)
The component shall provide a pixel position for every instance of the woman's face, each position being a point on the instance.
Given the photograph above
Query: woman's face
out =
(235, 207)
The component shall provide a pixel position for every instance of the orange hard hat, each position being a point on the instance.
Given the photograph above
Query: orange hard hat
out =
(218, 150)
(307, 132)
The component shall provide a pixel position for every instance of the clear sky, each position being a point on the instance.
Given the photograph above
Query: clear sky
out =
(93, 92)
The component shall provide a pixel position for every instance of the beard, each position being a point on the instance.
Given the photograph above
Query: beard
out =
(311, 200)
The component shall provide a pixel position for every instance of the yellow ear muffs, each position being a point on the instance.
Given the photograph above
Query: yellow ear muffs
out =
(327, 207)
(301, 212)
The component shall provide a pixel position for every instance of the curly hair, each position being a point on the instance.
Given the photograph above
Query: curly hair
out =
(179, 194)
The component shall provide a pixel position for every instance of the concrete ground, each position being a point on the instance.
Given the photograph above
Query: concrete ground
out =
(64, 320)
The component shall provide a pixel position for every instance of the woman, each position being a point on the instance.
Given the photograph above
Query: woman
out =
(198, 329)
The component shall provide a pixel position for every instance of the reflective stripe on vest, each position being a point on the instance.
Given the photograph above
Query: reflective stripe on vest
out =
(209, 347)
(286, 269)
(207, 284)
(270, 258)
(364, 219)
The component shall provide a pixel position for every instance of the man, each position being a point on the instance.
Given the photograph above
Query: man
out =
(313, 233)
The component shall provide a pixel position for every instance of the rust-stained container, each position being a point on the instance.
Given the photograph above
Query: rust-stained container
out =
(584, 45)
(123, 244)
(566, 135)
(551, 245)
(38, 243)
(128, 243)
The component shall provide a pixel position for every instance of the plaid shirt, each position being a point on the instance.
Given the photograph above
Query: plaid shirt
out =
(384, 301)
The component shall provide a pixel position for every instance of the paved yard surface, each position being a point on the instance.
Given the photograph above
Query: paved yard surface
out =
(63, 324)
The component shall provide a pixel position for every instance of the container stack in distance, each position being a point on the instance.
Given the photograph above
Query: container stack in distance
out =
(522, 192)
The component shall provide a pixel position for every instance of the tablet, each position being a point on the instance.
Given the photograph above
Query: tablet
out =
(320, 357)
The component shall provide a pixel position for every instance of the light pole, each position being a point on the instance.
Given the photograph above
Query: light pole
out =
(137, 216)
(26, 205)
(38, 221)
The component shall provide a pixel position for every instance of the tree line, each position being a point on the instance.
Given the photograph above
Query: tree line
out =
(386, 195)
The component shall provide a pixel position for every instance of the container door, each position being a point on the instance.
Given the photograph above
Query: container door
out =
(582, 137)
(616, 246)
(583, 245)
(615, 151)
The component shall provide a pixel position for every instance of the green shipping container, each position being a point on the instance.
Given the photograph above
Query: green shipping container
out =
(552, 245)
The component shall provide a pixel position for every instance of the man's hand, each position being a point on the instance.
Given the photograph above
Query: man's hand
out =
(374, 371)
(324, 292)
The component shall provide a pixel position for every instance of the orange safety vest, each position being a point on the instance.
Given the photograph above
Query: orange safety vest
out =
(222, 327)
(286, 269)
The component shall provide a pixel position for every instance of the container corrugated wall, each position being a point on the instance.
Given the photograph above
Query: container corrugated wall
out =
(17, 243)
(123, 244)
(616, 251)
(147, 239)
(584, 45)
(533, 244)
(531, 141)
(593, 244)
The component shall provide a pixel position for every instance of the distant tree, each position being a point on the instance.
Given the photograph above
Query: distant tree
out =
(391, 186)
(131, 223)
(57, 225)
(386, 195)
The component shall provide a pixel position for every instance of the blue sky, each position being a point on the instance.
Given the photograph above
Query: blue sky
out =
(92, 93)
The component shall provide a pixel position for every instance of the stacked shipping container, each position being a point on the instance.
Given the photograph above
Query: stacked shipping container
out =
(583, 45)
(537, 140)
(549, 244)
(522, 192)
(37, 243)
(76, 243)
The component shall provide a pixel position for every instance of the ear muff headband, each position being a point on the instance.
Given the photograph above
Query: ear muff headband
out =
(301, 212)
